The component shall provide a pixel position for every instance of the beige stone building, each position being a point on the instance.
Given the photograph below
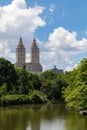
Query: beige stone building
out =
(34, 66)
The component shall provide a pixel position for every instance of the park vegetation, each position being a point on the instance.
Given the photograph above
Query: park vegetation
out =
(17, 86)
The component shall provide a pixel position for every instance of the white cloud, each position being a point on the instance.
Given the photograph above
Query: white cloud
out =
(17, 17)
(62, 46)
(17, 20)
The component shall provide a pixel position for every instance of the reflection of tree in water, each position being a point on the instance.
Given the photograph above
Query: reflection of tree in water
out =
(30, 117)
(45, 112)
(34, 116)
(76, 122)
(20, 118)
(12, 119)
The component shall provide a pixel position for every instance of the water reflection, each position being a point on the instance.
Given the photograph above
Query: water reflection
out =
(50, 117)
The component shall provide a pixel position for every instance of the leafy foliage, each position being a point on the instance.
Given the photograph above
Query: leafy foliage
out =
(37, 97)
(14, 99)
(7, 73)
(18, 86)
(23, 84)
(52, 85)
(3, 89)
(76, 93)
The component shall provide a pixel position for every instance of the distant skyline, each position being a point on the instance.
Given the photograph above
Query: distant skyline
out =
(60, 28)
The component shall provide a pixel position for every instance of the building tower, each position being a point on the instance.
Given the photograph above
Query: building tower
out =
(34, 65)
(34, 54)
(20, 54)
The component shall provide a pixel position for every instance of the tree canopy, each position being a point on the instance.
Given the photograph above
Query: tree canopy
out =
(7, 73)
(70, 87)
(76, 93)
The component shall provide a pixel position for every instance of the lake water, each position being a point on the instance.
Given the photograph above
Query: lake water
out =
(45, 117)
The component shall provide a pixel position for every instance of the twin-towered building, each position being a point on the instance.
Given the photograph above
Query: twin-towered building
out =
(34, 66)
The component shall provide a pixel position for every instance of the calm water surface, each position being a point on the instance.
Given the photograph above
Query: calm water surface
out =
(46, 117)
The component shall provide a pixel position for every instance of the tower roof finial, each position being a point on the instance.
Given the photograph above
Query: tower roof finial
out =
(20, 44)
(20, 39)
(34, 44)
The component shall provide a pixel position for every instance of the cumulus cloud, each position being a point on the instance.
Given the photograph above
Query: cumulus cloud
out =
(17, 20)
(62, 45)
(17, 16)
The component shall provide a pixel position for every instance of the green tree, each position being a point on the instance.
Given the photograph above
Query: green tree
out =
(7, 73)
(50, 75)
(57, 87)
(3, 90)
(47, 88)
(82, 70)
(36, 82)
(23, 84)
(77, 99)
(37, 97)
(76, 93)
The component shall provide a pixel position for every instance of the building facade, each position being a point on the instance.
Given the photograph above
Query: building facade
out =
(34, 66)
(20, 54)
(55, 70)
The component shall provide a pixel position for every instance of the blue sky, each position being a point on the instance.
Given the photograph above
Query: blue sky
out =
(60, 28)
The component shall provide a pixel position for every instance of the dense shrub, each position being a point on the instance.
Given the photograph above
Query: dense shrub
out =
(14, 100)
(34, 97)
(37, 97)
(3, 89)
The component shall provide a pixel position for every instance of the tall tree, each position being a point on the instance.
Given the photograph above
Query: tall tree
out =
(7, 73)
(76, 93)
